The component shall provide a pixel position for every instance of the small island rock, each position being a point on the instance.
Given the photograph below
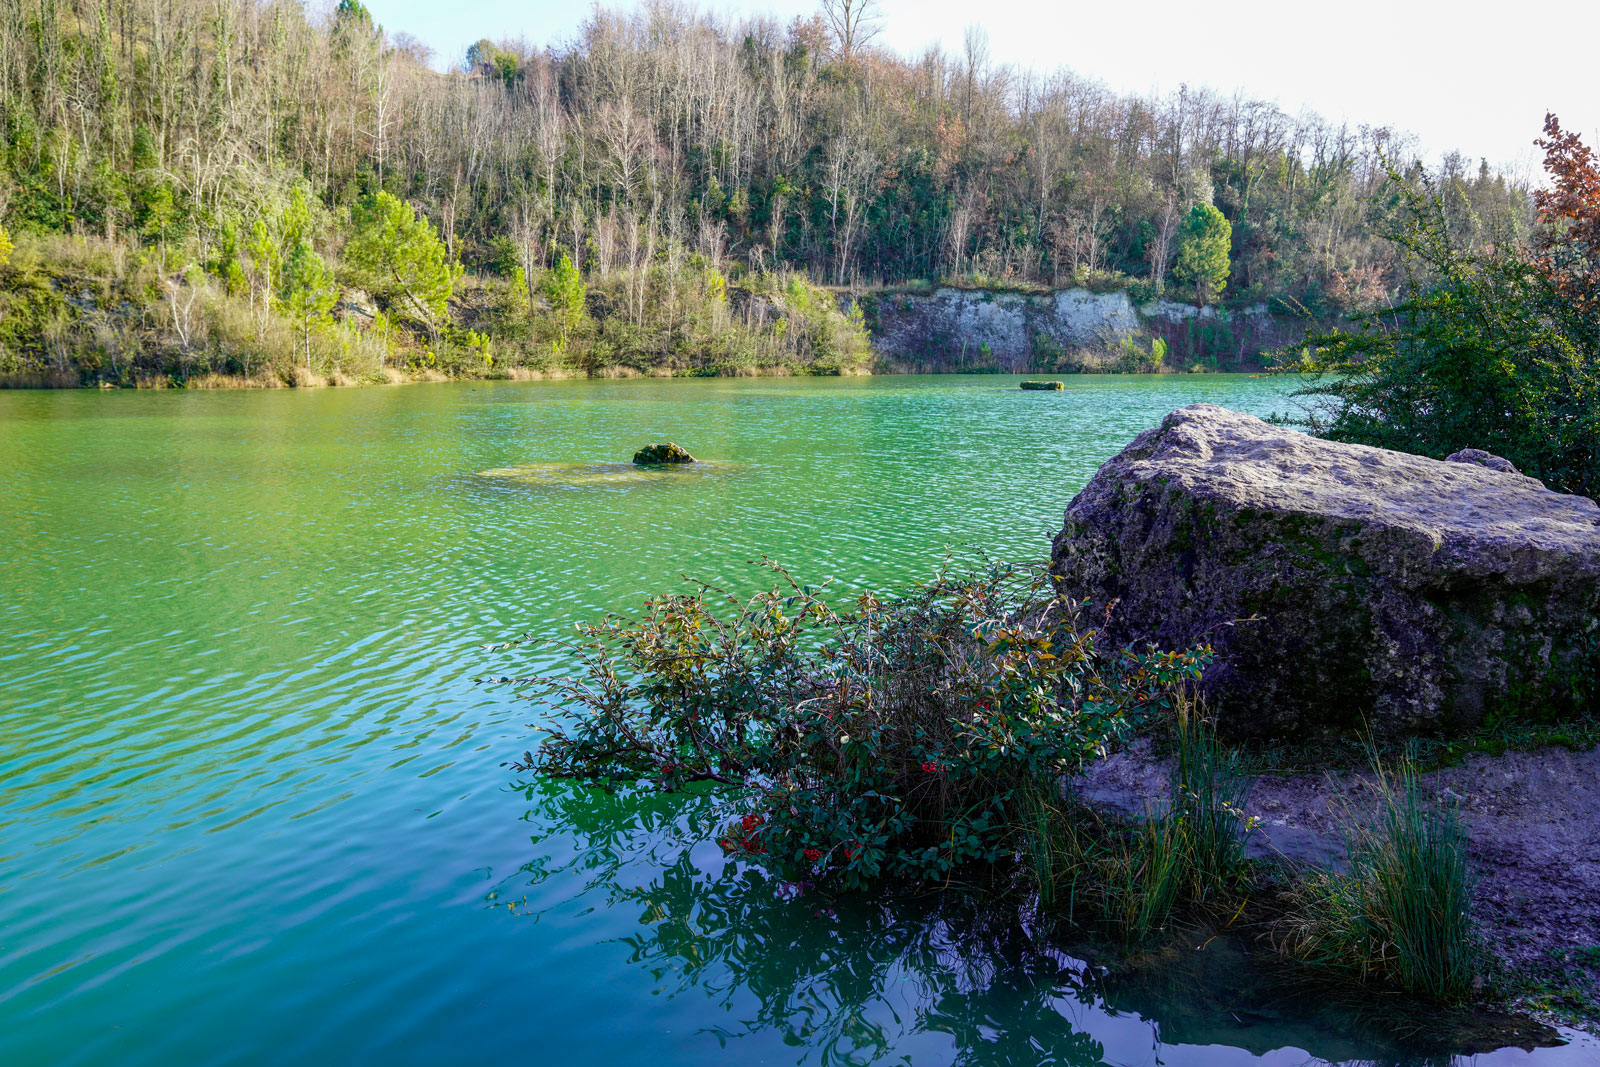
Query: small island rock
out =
(660, 455)
(1341, 586)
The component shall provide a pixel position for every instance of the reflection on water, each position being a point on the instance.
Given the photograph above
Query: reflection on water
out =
(950, 976)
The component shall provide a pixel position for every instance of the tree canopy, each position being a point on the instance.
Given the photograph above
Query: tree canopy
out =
(1496, 348)
(1203, 246)
(402, 257)
(804, 145)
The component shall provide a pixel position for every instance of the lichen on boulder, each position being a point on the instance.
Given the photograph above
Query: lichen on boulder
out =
(1342, 586)
(662, 455)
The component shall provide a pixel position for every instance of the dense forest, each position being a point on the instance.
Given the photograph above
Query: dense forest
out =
(241, 187)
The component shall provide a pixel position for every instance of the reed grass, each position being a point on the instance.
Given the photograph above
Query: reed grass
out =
(1401, 913)
(1187, 856)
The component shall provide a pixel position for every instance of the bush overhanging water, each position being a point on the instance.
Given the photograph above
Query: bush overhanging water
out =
(893, 737)
(932, 733)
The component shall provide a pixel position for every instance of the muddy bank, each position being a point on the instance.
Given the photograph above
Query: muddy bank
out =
(1534, 824)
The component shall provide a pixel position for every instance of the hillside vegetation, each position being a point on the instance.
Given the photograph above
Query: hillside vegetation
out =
(234, 187)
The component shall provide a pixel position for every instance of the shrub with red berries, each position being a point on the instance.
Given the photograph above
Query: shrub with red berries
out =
(893, 736)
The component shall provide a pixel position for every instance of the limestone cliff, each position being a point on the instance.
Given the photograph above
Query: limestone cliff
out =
(965, 329)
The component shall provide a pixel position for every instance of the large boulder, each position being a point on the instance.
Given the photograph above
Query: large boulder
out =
(1341, 585)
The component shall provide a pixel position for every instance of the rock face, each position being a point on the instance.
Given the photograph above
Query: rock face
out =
(660, 455)
(1341, 584)
(1013, 331)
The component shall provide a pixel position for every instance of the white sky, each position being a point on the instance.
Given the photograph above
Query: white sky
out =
(1466, 75)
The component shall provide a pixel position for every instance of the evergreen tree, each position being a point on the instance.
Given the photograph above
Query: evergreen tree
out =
(308, 292)
(402, 258)
(565, 290)
(1203, 246)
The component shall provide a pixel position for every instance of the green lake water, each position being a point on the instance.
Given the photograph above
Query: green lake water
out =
(254, 810)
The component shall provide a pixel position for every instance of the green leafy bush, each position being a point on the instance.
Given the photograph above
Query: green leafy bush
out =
(899, 737)
(1486, 349)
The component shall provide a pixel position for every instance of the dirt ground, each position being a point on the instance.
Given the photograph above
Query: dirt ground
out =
(1534, 820)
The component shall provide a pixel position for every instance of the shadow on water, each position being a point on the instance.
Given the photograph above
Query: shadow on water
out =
(859, 981)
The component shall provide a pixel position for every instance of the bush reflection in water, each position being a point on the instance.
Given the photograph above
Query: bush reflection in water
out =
(862, 979)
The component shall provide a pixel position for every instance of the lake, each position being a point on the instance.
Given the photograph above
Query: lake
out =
(254, 809)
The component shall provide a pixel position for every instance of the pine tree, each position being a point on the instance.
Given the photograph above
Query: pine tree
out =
(565, 290)
(402, 257)
(308, 292)
(1203, 246)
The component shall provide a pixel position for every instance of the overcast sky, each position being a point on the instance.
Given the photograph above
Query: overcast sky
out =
(1459, 74)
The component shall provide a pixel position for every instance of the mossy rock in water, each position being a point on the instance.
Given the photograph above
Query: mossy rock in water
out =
(1044, 385)
(659, 455)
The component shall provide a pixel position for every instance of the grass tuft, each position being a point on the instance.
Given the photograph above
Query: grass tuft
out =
(1401, 912)
(1136, 877)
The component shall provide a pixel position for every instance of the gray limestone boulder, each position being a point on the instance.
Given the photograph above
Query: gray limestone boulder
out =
(1341, 585)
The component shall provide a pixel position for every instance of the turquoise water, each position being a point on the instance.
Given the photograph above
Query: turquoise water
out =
(254, 810)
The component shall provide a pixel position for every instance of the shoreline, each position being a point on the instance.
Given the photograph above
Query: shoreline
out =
(1536, 899)
(303, 380)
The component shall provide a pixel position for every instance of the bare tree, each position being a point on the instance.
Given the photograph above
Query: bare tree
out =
(854, 23)
(850, 168)
(1160, 253)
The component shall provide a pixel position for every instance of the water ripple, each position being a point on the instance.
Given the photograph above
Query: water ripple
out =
(253, 810)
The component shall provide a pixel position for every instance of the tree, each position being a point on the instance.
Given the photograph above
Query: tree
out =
(1160, 251)
(262, 273)
(1486, 349)
(853, 22)
(1203, 245)
(565, 290)
(308, 291)
(5, 247)
(490, 60)
(1567, 243)
(402, 257)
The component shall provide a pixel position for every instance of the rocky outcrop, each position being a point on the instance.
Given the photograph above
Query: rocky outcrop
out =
(1003, 328)
(661, 455)
(1483, 459)
(1341, 584)
(1044, 330)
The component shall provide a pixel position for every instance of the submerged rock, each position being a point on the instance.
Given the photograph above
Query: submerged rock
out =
(658, 455)
(1340, 584)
